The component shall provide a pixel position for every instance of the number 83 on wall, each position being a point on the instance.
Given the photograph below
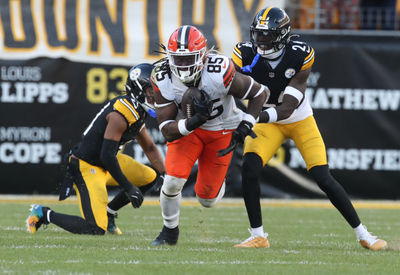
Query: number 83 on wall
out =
(103, 85)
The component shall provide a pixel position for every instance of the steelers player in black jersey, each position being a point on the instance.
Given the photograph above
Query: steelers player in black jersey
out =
(95, 162)
(283, 66)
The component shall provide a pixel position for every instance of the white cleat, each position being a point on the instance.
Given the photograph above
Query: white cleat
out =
(371, 242)
(255, 241)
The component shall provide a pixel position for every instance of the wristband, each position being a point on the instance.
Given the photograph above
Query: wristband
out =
(249, 118)
(272, 114)
(182, 127)
(289, 90)
(162, 124)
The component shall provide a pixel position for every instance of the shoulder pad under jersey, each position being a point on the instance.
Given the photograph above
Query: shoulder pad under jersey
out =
(127, 108)
(220, 71)
(241, 51)
(161, 81)
(303, 52)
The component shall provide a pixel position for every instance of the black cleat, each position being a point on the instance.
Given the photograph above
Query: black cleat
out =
(112, 227)
(167, 236)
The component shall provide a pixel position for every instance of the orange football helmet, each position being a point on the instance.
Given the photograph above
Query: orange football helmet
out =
(186, 53)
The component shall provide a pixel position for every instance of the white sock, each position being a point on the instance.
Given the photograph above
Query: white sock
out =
(259, 231)
(221, 192)
(170, 209)
(360, 231)
(109, 210)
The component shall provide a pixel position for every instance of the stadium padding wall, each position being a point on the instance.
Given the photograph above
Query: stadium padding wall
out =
(53, 82)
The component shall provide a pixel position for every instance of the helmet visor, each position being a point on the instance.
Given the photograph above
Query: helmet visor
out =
(264, 39)
(183, 60)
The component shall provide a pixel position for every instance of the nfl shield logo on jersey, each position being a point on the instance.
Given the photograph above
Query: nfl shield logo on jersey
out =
(289, 73)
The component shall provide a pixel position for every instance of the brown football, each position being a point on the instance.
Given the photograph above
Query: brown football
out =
(187, 101)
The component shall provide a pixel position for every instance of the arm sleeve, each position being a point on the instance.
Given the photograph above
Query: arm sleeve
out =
(108, 157)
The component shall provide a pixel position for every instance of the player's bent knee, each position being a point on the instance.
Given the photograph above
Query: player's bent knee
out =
(323, 177)
(208, 203)
(172, 185)
(92, 229)
(252, 164)
(98, 231)
(211, 202)
(320, 173)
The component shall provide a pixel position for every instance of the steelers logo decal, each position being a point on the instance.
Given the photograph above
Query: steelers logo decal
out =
(134, 74)
(289, 73)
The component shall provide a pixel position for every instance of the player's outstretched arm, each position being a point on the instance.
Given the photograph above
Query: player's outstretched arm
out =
(116, 125)
(292, 97)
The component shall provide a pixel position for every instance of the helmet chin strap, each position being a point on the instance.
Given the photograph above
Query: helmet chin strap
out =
(148, 108)
(270, 54)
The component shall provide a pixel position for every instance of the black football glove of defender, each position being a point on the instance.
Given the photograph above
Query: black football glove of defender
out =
(159, 183)
(135, 196)
(238, 136)
(202, 110)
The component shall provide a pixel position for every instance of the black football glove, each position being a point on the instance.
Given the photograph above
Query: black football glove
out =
(238, 136)
(202, 110)
(135, 196)
(203, 105)
(159, 183)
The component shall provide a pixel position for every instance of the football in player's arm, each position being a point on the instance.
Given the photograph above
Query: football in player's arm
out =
(94, 163)
(216, 125)
(283, 66)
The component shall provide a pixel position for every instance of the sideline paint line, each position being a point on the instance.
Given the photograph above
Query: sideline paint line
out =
(226, 202)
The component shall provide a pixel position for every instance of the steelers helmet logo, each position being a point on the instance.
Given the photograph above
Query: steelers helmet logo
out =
(134, 74)
(289, 73)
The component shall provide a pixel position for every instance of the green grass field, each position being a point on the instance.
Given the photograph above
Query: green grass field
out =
(305, 239)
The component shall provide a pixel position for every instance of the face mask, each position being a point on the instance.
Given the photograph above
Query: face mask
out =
(270, 54)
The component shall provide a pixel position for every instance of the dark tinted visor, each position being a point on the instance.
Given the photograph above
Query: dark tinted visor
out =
(184, 60)
(264, 38)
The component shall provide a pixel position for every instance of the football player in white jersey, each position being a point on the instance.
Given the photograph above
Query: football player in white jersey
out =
(216, 125)
(283, 66)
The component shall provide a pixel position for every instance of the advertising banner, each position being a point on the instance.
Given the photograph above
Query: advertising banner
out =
(61, 60)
